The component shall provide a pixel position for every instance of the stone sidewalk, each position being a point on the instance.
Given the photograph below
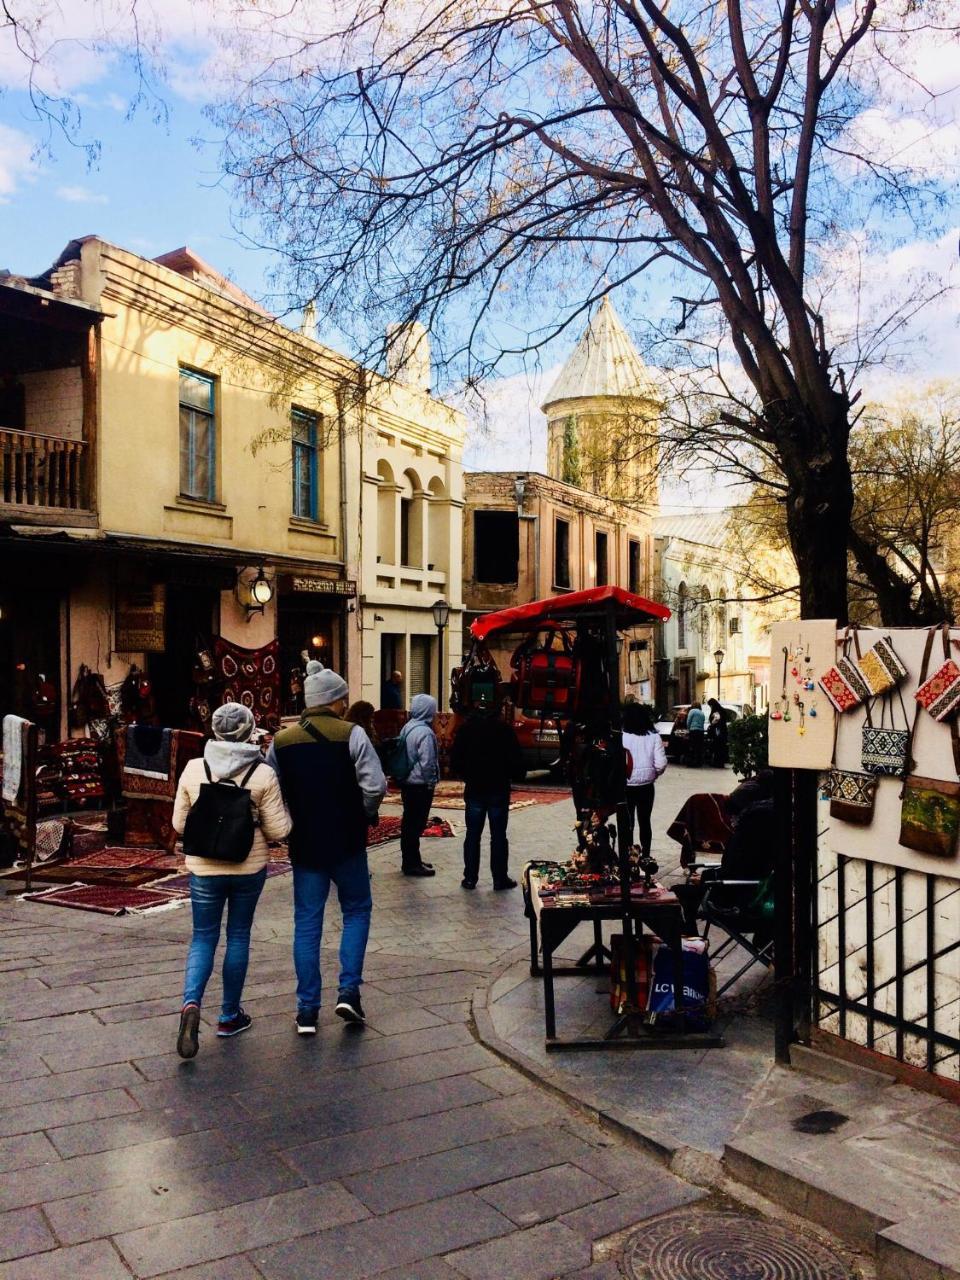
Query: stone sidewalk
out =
(404, 1150)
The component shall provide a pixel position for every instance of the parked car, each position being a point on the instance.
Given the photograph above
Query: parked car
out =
(673, 731)
(539, 741)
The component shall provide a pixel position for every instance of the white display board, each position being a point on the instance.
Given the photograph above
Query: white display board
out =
(801, 736)
(813, 749)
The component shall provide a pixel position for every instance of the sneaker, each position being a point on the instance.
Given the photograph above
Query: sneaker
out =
(307, 1022)
(233, 1026)
(188, 1036)
(349, 1007)
(468, 884)
(507, 883)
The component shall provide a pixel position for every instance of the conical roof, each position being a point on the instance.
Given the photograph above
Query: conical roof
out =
(604, 363)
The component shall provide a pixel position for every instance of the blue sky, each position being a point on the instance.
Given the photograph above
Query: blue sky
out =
(155, 186)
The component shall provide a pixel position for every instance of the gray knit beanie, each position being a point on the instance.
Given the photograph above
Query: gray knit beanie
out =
(232, 722)
(322, 686)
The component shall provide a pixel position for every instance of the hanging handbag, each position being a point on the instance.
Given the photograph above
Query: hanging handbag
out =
(843, 684)
(930, 816)
(851, 793)
(940, 694)
(885, 750)
(880, 667)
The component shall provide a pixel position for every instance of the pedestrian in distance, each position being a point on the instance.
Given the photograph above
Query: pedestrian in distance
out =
(230, 763)
(391, 692)
(417, 788)
(487, 756)
(333, 784)
(648, 760)
(696, 724)
(716, 736)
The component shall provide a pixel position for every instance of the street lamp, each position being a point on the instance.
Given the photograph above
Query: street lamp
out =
(441, 615)
(718, 659)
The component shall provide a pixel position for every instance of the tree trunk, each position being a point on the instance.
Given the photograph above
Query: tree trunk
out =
(819, 506)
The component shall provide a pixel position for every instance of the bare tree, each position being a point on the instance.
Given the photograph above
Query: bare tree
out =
(452, 161)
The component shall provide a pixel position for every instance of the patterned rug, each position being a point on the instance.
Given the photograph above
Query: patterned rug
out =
(156, 859)
(70, 873)
(109, 900)
(252, 677)
(387, 829)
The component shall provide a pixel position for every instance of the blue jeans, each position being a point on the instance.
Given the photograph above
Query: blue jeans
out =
(480, 806)
(310, 889)
(208, 895)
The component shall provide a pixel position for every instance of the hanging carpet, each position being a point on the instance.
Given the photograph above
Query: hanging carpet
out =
(250, 677)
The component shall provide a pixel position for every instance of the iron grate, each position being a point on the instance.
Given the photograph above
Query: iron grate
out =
(727, 1246)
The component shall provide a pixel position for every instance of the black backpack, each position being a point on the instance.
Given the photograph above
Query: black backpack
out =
(220, 823)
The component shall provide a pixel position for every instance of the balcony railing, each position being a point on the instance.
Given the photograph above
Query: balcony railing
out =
(42, 471)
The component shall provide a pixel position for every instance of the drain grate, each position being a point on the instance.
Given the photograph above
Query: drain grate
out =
(727, 1246)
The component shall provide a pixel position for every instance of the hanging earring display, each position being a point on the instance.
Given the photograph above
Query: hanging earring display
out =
(801, 727)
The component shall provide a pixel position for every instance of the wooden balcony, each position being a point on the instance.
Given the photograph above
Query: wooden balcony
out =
(42, 477)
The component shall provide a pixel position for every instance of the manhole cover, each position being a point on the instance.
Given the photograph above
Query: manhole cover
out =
(726, 1246)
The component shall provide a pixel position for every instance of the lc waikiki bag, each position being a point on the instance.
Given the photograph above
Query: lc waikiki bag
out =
(220, 823)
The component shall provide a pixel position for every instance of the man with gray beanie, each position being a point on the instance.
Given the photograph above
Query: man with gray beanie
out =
(333, 784)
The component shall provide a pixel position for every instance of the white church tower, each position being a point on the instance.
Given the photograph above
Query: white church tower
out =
(602, 414)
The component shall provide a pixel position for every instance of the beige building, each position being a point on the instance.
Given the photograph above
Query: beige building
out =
(587, 523)
(177, 466)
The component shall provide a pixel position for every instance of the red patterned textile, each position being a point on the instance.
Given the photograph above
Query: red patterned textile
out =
(110, 900)
(149, 823)
(387, 829)
(251, 677)
(701, 826)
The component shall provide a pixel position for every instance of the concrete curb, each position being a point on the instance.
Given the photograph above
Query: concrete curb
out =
(690, 1163)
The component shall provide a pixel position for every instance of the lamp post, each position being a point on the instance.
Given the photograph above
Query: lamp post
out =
(441, 615)
(718, 659)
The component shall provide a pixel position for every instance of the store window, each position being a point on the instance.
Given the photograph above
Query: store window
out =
(306, 465)
(602, 568)
(561, 553)
(496, 546)
(198, 436)
(635, 567)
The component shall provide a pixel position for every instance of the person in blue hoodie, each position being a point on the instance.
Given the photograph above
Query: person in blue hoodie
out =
(418, 787)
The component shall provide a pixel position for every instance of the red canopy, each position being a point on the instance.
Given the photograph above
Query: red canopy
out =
(629, 610)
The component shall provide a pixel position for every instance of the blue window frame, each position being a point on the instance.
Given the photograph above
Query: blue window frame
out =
(306, 465)
(198, 436)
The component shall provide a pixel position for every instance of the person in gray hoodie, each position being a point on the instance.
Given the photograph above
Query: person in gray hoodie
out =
(234, 885)
(418, 786)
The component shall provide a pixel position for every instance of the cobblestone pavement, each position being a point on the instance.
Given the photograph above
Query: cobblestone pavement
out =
(403, 1150)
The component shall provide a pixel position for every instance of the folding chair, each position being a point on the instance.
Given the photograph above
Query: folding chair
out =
(742, 921)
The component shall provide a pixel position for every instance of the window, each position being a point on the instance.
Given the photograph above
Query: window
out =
(496, 546)
(561, 554)
(601, 559)
(306, 465)
(198, 437)
(635, 568)
(406, 508)
(683, 605)
(734, 626)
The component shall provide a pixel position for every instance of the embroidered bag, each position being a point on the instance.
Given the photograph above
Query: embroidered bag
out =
(930, 816)
(843, 684)
(940, 694)
(852, 795)
(885, 750)
(880, 667)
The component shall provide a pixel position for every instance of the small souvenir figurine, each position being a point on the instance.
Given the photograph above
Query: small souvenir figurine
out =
(776, 713)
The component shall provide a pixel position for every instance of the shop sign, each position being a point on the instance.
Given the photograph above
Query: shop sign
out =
(141, 619)
(324, 586)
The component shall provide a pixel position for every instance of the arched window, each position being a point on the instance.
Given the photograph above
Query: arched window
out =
(683, 605)
(438, 539)
(386, 514)
(411, 520)
(704, 619)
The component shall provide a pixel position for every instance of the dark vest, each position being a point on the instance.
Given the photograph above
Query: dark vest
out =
(320, 787)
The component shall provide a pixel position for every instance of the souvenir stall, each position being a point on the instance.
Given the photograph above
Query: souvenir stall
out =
(870, 716)
(566, 666)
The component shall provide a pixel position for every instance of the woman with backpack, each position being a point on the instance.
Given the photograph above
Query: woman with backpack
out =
(422, 773)
(228, 806)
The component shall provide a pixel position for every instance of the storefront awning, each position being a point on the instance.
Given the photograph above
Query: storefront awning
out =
(629, 611)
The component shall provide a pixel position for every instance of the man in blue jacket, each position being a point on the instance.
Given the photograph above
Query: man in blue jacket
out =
(333, 784)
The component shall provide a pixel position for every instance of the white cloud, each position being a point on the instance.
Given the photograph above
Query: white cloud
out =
(16, 161)
(508, 431)
(81, 195)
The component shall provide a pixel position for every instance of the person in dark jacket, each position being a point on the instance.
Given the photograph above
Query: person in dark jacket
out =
(416, 790)
(333, 784)
(486, 755)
